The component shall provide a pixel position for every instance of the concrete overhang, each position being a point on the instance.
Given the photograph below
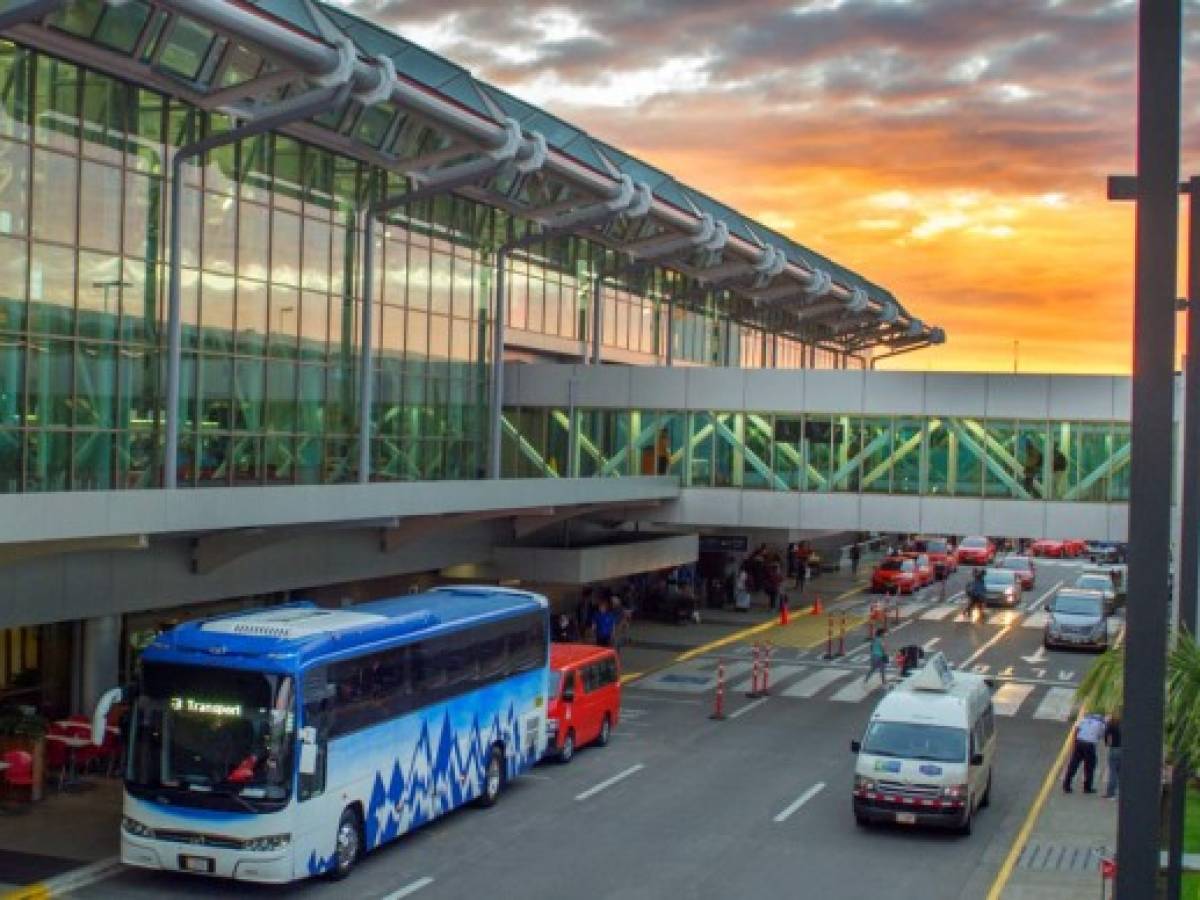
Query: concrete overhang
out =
(74, 515)
(596, 562)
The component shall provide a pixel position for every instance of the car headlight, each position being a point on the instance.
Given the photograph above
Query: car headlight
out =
(267, 844)
(136, 828)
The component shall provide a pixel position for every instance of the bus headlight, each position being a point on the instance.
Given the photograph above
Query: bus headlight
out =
(268, 844)
(864, 785)
(136, 828)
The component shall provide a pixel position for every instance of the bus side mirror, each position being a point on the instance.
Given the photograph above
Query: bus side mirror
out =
(111, 697)
(977, 759)
(308, 750)
(855, 746)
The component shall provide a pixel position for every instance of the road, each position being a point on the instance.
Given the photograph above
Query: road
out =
(757, 805)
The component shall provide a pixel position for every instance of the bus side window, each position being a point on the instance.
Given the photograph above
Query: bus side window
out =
(318, 701)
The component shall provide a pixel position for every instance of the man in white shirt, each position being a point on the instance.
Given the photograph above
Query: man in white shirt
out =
(1088, 734)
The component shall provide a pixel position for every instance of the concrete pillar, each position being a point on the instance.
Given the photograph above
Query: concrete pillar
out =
(100, 660)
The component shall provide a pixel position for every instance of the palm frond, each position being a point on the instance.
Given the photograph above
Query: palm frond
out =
(1102, 689)
(1183, 699)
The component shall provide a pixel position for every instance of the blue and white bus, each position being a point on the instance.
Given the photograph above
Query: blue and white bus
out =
(279, 744)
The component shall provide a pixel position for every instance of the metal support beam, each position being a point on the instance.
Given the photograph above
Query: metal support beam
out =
(291, 110)
(1155, 248)
(1189, 531)
(30, 11)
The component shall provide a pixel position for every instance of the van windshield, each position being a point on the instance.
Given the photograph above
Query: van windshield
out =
(905, 740)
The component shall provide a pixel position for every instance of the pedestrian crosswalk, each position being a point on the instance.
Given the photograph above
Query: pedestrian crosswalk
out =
(844, 683)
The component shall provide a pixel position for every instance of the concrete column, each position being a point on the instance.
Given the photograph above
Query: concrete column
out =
(100, 660)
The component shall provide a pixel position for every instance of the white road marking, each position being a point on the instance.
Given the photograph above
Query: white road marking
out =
(409, 889)
(978, 653)
(814, 683)
(1056, 705)
(800, 801)
(1044, 597)
(857, 690)
(592, 791)
(1009, 697)
(1004, 617)
(1038, 656)
(1066, 675)
(981, 668)
(749, 706)
(939, 612)
(911, 609)
(650, 699)
(931, 643)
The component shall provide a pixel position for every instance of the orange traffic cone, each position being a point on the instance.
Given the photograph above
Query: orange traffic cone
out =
(783, 611)
(818, 607)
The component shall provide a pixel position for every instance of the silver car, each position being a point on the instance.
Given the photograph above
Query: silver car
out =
(1102, 582)
(1002, 587)
(1077, 619)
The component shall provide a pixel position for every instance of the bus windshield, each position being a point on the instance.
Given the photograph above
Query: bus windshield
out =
(213, 737)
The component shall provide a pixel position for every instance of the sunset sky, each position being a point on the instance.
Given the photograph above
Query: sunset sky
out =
(952, 150)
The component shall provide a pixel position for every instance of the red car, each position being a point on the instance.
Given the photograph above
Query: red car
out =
(1048, 547)
(939, 551)
(925, 570)
(896, 573)
(1074, 547)
(585, 698)
(976, 551)
(1024, 568)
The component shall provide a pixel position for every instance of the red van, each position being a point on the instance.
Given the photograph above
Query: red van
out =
(585, 698)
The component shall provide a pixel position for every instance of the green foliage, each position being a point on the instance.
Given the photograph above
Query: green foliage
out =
(1183, 700)
(1103, 687)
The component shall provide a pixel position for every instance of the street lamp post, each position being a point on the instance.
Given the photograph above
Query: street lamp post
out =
(106, 283)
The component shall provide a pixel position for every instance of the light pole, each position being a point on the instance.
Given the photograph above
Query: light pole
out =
(105, 284)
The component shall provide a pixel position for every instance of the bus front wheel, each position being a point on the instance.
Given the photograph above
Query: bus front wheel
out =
(349, 844)
(493, 779)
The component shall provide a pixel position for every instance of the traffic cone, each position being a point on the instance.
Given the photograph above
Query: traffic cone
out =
(783, 610)
(818, 607)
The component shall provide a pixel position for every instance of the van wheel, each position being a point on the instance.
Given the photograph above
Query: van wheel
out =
(986, 799)
(965, 828)
(348, 846)
(605, 732)
(493, 779)
(567, 752)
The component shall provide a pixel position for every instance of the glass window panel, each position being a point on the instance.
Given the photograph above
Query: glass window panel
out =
(1118, 484)
(339, 400)
(221, 235)
(186, 48)
(700, 454)
(940, 479)
(373, 124)
(534, 304)
(146, 132)
(100, 207)
(12, 385)
(255, 168)
(13, 259)
(122, 25)
(281, 396)
(787, 442)
(965, 457)
(47, 460)
(248, 394)
(439, 337)
(759, 450)
(1033, 458)
(52, 289)
(78, 17)
(440, 283)
(1003, 472)
(215, 451)
(417, 334)
(251, 321)
(460, 340)
(15, 84)
(92, 461)
(95, 385)
(216, 311)
(139, 299)
(285, 248)
(100, 285)
(877, 461)
(254, 241)
(818, 451)
(1087, 477)
(314, 324)
(288, 173)
(391, 331)
(14, 187)
(137, 391)
(550, 307)
(214, 387)
(189, 303)
(279, 458)
(143, 211)
(103, 117)
(847, 449)
(1062, 459)
(284, 321)
(137, 459)
(49, 369)
(316, 254)
(908, 436)
(54, 197)
(56, 104)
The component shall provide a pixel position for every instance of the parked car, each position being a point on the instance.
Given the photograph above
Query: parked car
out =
(584, 698)
(1105, 551)
(1076, 620)
(896, 573)
(976, 551)
(1073, 548)
(1047, 547)
(1099, 580)
(940, 552)
(1001, 587)
(1024, 568)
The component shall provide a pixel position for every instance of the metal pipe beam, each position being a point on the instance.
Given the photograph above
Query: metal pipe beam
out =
(301, 107)
(1155, 248)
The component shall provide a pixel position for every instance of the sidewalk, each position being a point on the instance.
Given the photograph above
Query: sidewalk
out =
(1059, 857)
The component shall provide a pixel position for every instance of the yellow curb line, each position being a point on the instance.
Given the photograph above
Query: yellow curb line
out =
(630, 676)
(1014, 852)
(32, 892)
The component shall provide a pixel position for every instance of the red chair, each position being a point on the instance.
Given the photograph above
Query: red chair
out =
(19, 773)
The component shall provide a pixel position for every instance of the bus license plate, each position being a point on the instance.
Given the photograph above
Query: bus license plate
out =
(906, 818)
(201, 864)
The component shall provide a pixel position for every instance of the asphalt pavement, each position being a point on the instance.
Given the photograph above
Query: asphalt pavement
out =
(757, 805)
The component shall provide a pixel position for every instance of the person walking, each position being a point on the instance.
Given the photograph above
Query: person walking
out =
(743, 591)
(605, 624)
(1088, 733)
(879, 658)
(1112, 740)
(855, 556)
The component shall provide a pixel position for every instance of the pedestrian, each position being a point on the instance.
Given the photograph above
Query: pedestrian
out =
(774, 583)
(585, 611)
(855, 556)
(879, 658)
(1088, 733)
(565, 630)
(743, 590)
(1112, 740)
(605, 624)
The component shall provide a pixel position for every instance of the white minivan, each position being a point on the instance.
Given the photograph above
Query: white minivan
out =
(926, 757)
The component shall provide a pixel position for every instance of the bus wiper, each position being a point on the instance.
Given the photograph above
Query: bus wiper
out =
(240, 799)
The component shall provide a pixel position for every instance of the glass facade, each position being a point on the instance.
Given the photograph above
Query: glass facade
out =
(950, 456)
(271, 294)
